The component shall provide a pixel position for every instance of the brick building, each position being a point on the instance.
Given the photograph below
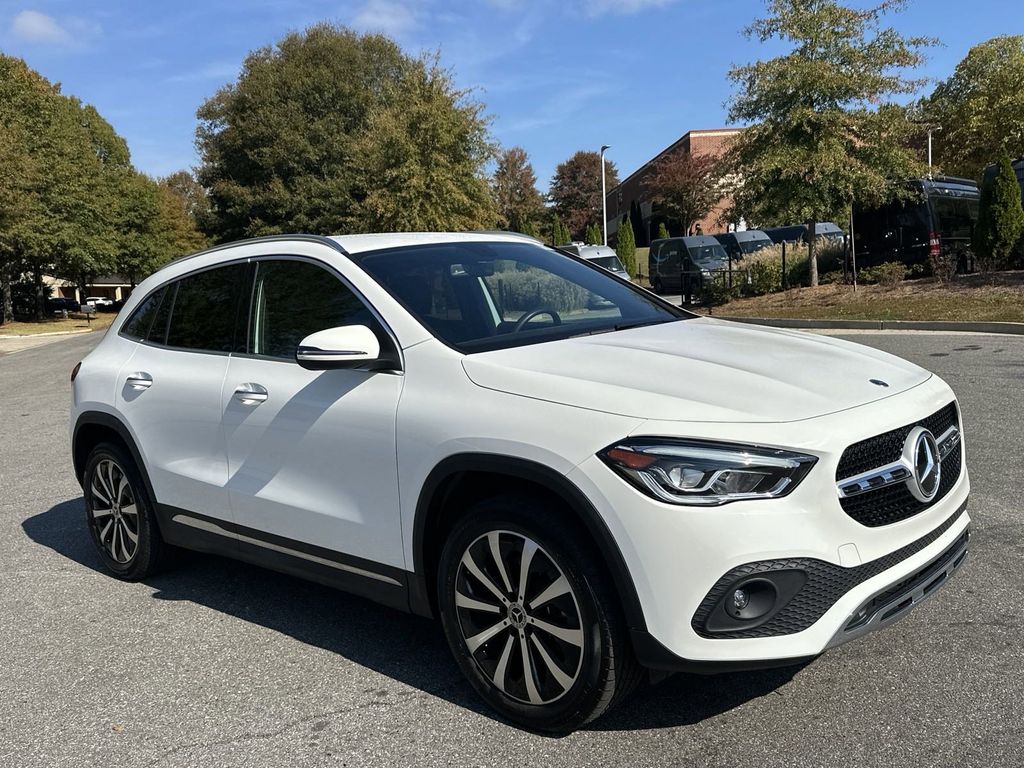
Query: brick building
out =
(632, 197)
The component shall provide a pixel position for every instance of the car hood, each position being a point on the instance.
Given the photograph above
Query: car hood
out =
(699, 370)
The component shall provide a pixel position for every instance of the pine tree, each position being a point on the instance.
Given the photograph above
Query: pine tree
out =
(593, 236)
(1000, 219)
(626, 246)
(559, 232)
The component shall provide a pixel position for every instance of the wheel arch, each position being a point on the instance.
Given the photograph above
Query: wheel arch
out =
(450, 478)
(93, 427)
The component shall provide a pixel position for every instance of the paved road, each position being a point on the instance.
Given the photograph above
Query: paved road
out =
(221, 664)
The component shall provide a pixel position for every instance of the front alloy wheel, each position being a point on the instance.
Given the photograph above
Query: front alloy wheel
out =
(531, 616)
(519, 617)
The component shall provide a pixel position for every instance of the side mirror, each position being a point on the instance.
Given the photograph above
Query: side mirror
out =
(350, 346)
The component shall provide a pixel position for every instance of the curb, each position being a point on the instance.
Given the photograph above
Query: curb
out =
(883, 325)
(39, 335)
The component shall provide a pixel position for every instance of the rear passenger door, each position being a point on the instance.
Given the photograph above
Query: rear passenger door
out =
(311, 454)
(170, 389)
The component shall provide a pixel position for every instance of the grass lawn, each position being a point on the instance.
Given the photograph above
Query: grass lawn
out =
(57, 325)
(992, 297)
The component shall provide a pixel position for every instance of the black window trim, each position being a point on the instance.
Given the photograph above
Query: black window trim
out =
(250, 277)
(396, 347)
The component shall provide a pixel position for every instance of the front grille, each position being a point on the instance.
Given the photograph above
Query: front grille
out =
(894, 503)
(826, 583)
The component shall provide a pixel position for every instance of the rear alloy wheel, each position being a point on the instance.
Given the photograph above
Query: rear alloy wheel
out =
(531, 617)
(120, 514)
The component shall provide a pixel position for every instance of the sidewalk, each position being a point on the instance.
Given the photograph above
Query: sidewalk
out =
(10, 344)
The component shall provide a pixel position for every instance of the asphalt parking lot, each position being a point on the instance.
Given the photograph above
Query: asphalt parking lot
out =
(221, 664)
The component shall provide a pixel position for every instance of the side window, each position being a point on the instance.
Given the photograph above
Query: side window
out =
(205, 308)
(141, 321)
(293, 299)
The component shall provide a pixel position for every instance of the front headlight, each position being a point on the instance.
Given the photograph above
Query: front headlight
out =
(706, 473)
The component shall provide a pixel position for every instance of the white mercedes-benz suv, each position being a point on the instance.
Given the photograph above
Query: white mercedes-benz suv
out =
(582, 481)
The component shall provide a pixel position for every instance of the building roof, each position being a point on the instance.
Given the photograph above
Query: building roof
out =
(685, 138)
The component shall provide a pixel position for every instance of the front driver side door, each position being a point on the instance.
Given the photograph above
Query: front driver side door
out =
(311, 454)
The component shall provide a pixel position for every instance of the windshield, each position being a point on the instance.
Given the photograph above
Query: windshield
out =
(708, 254)
(608, 262)
(492, 295)
(955, 216)
(752, 246)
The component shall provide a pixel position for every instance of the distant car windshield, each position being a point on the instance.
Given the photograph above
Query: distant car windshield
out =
(491, 295)
(608, 262)
(752, 246)
(708, 256)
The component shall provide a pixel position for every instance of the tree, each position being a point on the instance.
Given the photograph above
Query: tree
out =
(662, 231)
(68, 190)
(686, 186)
(979, 107)
(576, 190)
(333, 131)
(1000, 227)
(593, 235)
(530, 229)
(193, 195)
(559, 232)
(625, 246)
(421, 158)
(824, 134)
(514, 188)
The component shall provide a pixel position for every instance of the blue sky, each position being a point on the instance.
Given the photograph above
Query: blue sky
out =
(556, 75)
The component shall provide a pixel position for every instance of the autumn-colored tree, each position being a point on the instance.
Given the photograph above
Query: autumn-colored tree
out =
(685, 186)
(514, 188)
(824, 131)
(576, 190)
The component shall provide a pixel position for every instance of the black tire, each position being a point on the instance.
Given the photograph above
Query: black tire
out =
(603, 669)
(657, 286)
(109, 464)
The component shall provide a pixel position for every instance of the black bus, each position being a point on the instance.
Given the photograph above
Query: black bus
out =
(939, 216)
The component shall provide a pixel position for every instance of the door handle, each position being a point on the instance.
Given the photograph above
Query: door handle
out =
(139, 380)
(251, 393)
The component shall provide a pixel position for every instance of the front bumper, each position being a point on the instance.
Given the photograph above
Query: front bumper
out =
(679, 556)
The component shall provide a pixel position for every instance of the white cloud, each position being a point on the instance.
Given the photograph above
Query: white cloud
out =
(36, 27)
(392, 17)
(620, 7)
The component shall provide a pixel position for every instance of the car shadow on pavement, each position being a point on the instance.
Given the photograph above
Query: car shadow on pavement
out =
(406, 648)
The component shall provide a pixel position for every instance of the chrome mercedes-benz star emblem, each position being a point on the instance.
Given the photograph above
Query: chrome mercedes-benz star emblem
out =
(517, 616)
(922, 453)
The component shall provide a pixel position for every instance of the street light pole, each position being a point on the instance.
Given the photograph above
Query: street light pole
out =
(929, 152)
(604, 198)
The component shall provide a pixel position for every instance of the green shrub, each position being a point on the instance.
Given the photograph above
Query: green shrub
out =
(1000, 226)
(831, 278)
(662, 231)
(593, 236)
(762, 277)
(625, 247)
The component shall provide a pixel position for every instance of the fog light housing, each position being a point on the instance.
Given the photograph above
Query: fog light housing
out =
(752, 600)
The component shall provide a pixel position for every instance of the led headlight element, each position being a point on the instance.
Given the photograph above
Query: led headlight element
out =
(706, 473)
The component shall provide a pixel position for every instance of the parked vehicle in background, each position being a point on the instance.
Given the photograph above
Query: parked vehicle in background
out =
(939, 217)
(605, 258)
(99, 301)
(697, 256)
(61, 304)
(739, 244)
(373, 412)
(797, 233)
